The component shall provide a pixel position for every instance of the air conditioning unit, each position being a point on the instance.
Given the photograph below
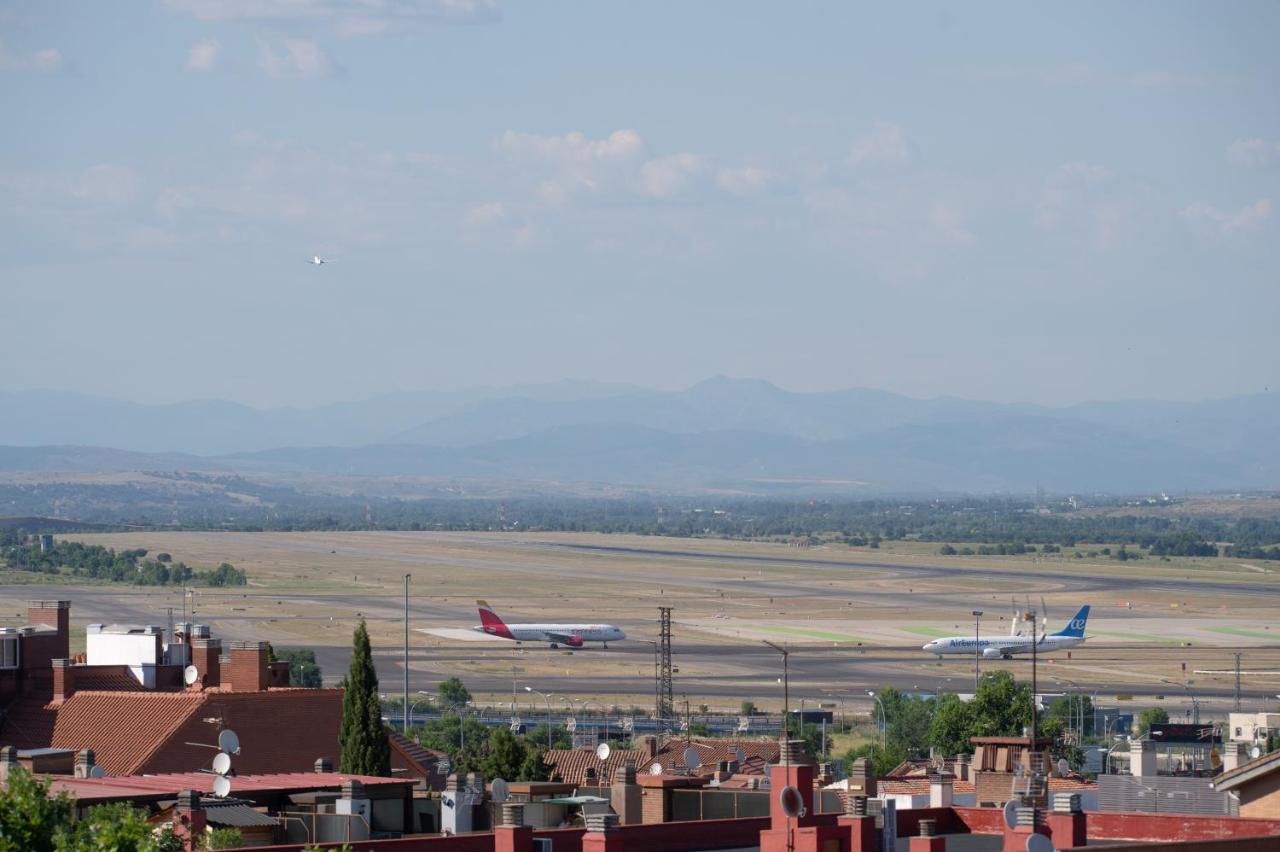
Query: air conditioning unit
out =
(542, 844)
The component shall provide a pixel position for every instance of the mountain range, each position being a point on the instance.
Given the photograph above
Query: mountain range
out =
(742, 435)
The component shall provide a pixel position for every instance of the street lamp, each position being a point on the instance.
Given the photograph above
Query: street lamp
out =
(786, 689)
(884, 719)
(1195, 702)
(977, 654)
(548, 702)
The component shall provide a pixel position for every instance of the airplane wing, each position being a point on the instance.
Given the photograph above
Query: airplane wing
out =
(564, 638)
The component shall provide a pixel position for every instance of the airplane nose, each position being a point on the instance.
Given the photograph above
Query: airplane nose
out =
(927, 646)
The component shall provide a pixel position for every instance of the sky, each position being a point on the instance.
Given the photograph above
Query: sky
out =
(1005, 201)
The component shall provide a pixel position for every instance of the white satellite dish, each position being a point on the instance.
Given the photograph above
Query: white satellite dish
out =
(499, 791)
(97, 772)
(1011, 813)
(221, 786)
(1063, 766)
(190, 675)
(1255, 752)
(1039, 843)
(691, 758)
(229, 742)
(790, 801)
(655, 769)
(222, 763)
(571, 724)
(603, 751)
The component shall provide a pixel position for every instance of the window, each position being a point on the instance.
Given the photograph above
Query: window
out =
(1238, 731)
(8, 652)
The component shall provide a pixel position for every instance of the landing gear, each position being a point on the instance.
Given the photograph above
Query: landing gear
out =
(554, 646)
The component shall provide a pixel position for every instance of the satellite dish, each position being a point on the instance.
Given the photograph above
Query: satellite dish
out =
(655, 769)
(1039, 843)
(1255, 752)
(499, 791)
(571, 724)
(222, 763)
(221, 786)
(741, 756)
(691, 758)
(97, 772)
(1063, 766)
(190, 675)
(603, 751)
(790, 801)
(1011, 813)
(229, 742)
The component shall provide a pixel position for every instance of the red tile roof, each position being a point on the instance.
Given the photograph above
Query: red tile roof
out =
(571, 764)
(420, 761)
(171, 784)
(123, 728)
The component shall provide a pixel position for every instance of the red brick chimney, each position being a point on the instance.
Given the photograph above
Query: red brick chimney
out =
(64, 680)
(205, 655)
(190, 820)
(53, 614)
(248, 666)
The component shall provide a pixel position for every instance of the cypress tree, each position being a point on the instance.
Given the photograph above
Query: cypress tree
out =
(365, 749)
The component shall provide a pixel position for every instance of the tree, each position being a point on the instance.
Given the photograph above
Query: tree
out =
(31, 819)
(224, 838)
(513, 758)
(453, 693)
(365, 749)
(450, 733)
(748, 708)
(1151, 716)
(119, 827)
(560, 736)
(303, 670)
(954, 722)
(882, 760)
(1002, 706)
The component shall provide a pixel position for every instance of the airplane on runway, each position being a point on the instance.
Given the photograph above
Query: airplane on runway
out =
(1004, 647)
(571, 635)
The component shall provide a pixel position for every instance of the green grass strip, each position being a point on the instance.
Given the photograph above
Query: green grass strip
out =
(1240, 631)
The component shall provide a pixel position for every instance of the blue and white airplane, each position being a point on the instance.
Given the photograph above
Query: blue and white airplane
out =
(1004, 647)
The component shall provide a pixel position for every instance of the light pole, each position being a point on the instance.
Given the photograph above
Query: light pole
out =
(977, 654)
(884, 719)
(548, 702)
(786, 689)
(1195, 702)
(406, 653)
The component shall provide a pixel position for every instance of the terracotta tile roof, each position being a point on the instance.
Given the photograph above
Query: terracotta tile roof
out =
(169, 785)
(91, 679)
(916, 785)
(132, 731)
(420, 761)
(571, 764)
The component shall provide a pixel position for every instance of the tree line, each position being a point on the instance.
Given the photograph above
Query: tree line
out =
(95, 562)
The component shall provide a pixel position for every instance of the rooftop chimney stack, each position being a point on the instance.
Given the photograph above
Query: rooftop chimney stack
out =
(206, 656)
(1233, 755)
(64, 680)
(248, 666)
(85, 761)
(56, 614)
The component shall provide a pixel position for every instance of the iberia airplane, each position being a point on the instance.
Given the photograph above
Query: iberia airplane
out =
(1005, 647)
(572, 635)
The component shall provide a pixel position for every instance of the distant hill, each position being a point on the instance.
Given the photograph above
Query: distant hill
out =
(736, 434)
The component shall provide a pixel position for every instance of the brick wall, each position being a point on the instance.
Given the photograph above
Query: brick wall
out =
(248, 671)
(1261, 798)
(204, 656)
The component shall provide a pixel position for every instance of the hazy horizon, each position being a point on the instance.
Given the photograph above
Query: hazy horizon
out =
(1002, 202)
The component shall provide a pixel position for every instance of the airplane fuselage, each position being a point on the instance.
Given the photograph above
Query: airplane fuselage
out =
(1006, 645)
(553, 633)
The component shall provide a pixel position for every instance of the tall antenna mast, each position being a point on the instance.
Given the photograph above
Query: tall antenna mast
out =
(666, 701)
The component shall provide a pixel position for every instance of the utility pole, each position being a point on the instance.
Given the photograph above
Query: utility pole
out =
(977, 654)
(406, 655)
(786, 689)
(1238, 681)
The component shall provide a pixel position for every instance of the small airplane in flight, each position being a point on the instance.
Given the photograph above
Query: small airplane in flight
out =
(1004, 647)
(317, 260)
(571, 635)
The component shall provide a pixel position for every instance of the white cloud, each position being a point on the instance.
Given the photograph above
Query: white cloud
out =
(489, 213)
(746, 180)
(1083, 199)
(948, 225)
(667, 176)
(300, 58)
(106, 183)
(44, 61)
(573, 147)
(365, 17)
(203, 56)
(885, 143)
(1253, 153)
(1250, 217)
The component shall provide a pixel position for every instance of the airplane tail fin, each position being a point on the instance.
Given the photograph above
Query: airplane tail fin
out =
(489, 618)
(1075, 627)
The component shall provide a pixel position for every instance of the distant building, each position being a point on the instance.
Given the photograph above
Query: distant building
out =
(1256, 784)
(1252, 727)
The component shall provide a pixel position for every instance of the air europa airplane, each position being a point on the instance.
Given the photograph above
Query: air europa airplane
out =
(572, 635)
(1005, 647)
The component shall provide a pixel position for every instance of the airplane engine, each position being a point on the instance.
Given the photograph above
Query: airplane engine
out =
(574, 641)
(992, 654)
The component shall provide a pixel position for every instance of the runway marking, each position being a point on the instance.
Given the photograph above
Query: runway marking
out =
(1241, 631)
(459, 633)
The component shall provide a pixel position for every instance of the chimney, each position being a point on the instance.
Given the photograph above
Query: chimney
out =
(324, 764)
(248, 666)
(961, 767)
(941, 788)
(862, 781)
(625, 796)
(278, 673)
(55, 614)
(206, 654)
(8, 761)
(190, 820)
(1233, 755)
(85, 761)
(64, 680)
(1142, 758)
(650, 744)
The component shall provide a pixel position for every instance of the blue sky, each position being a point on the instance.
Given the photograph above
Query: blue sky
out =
(987, 200)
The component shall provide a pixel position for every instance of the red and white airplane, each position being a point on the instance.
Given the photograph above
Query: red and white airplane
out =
(571, 635)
